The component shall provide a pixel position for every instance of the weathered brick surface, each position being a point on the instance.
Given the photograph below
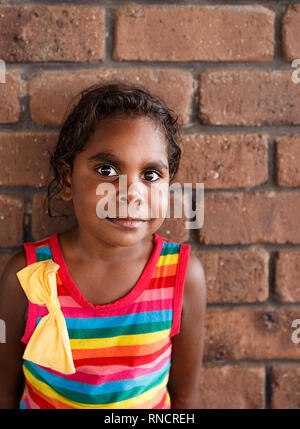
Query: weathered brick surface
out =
(10, 92)
(224, 160)
(287, 275)
(44, 225)
(249, 97)
(24, 158)
(290, 33)
(11, 220)
(73, 33)
(193, 33)
(232, 387)
(250, 333)
(174, 229)
(252, 217)
(234, 276)
(59, 88)
(288, 155)
(285, 385)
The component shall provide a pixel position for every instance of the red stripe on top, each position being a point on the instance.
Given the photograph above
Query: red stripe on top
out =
(161, 404)
(40, 402)
(162, 282)
(116, 360)
(32, 308)
(179, 286)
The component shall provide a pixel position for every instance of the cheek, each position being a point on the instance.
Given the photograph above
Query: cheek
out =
(85, 198)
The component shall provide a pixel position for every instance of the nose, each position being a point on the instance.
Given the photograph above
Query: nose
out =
(130, 190)
(133, 194)
(133, 199)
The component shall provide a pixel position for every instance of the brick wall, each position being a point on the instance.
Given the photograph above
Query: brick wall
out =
(227, 70)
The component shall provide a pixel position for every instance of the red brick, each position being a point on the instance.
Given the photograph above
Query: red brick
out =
(193, 33)
(288, 155)
(249, 97)
(234, 276)
(224, 160)
(44, 225)
(232, 387)
(287, 275)
(69, 33)
(59, 88)
(285, 385)
(24, 158)
(252, 332)
(11, 221)
(240, 218)
(290, 33)
(10, 91)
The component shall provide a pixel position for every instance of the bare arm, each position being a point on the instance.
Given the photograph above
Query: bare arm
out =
(187, 349)
(13, 304)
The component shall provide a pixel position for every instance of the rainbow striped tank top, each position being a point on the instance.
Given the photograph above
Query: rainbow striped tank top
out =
(121, 350)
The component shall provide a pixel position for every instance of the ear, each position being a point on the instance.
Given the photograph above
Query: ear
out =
(66, 192)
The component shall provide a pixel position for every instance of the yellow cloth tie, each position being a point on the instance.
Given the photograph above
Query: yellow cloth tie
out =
(49, 344)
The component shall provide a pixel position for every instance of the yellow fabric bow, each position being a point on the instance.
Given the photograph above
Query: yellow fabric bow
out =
(49, 344)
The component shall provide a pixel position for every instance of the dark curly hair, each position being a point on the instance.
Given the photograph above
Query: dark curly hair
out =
(116, 99)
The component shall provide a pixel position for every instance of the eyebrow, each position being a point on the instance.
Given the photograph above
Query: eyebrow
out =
(110, 157)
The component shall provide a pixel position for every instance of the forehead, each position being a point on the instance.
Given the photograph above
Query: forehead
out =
(140, 137)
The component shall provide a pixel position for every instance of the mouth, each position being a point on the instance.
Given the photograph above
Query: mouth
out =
(127, 218)
(128, 222)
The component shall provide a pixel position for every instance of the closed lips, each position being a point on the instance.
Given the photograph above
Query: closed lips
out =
(127, 218)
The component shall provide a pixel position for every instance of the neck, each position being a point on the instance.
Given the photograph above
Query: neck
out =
(88, 247)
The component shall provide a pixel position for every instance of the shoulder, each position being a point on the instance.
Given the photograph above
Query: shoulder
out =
(14, 264)
(17, 261)
(9, 283)
(194, 292)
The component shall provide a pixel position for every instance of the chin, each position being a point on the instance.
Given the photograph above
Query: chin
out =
(124, 237)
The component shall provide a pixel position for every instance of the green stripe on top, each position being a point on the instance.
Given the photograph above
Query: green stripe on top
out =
(43, 253)
(170, 250)
(142, 328)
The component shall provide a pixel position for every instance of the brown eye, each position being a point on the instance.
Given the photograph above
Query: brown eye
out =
(150, 174)
(104, 170)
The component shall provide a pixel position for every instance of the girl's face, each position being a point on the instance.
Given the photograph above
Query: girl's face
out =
(137, 150)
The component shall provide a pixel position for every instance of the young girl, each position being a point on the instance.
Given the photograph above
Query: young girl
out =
(108, 314)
